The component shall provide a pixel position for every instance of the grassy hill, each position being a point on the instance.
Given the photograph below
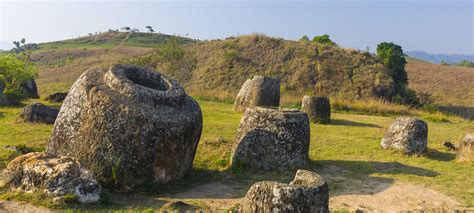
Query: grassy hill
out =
(111, 39)
(302, 67)
(451, 86)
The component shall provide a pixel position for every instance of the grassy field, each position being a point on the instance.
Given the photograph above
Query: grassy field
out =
(350, 143)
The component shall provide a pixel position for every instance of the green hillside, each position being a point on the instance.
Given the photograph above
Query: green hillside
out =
(111, 39)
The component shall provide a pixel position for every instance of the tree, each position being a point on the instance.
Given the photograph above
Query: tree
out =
(125, 28)
(135, 30)
(323, 39)
(393, 59)
(304, 39)
(14, 71)
(150, 29)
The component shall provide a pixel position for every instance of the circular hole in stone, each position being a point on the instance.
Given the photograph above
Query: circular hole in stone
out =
(146, 79)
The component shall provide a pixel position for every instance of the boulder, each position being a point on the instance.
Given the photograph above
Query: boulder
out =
(272, 138)
(259, 91)
(317, 108)
(129, 125)
(308, 192)
(407, 135)
(57, 97)
(39, 113)
(53, 175)
(465, 150)
(30, 88)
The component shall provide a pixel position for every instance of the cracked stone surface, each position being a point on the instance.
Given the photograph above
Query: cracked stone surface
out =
(51, 174)
(308, 192)
(407, 135)
(465, 151)
(272, 138)
(259, 91)
(128, 125)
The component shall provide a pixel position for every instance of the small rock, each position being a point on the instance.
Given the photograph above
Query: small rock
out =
(308, 192)
(57, 97)
(178, 205)
(39, 113)
(58, 176)
(408, 135)
(449, 145)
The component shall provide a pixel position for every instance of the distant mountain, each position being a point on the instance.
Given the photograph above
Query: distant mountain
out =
(437, 58)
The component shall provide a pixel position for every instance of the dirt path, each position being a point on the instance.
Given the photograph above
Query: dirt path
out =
(379, 197)
(15, 206)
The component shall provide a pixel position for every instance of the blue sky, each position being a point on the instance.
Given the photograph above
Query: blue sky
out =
(436, 26)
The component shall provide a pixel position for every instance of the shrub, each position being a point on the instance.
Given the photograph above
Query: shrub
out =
(14, 72)
(323, 39)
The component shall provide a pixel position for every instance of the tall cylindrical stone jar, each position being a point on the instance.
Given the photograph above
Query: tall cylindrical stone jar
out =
(317, 108)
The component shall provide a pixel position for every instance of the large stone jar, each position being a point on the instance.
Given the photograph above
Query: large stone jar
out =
(272, 138)
(128, 125)
(259, 91)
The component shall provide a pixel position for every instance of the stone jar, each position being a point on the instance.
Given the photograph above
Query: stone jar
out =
(407, 135)
(128, 125)
(317, 108)
(259, 91)
(308, 192)
(465, 150)
(272, 138)
(54, 175)
(39, 113)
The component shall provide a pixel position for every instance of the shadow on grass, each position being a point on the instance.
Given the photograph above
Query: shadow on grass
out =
(434, 154)
(341, 122)
(461, 111)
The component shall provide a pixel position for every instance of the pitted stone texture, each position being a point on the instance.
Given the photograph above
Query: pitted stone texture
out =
(259, 91)
(40, 113)
(57, 97)
(465, 151)
(57, 176)
(272, 138)
(408, 135)
(128, 125)
(30, 88)
(308, 192)
(317, 108)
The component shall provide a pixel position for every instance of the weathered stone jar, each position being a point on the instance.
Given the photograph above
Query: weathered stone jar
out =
(129, 126)
(407, 135)
(308, 192)
(317, 108)
(38, 112)
(272, 138)
(259, 91)
(54, 175)
(465, 150)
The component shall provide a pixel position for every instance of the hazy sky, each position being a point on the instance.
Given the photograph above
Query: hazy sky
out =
(436, 26)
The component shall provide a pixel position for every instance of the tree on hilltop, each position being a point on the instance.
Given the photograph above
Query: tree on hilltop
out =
(150, 29)
(125, 28)
(323, 39)
(304, 39)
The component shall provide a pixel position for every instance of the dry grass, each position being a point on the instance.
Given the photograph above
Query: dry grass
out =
(450, 85)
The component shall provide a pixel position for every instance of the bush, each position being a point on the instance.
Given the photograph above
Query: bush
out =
(13, 73)
(323, 39)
